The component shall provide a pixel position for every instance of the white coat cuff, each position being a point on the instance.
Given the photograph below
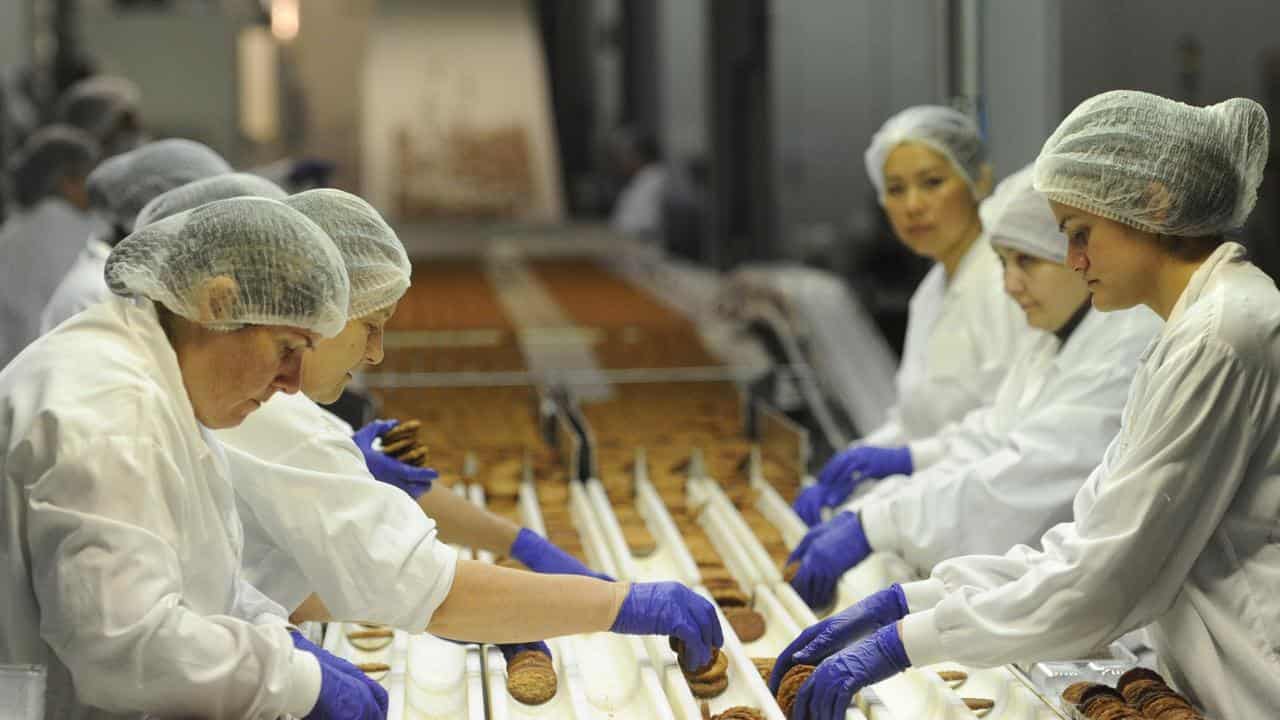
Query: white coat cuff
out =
(304, 691)
(878, 526)
(923, 594)
(924, 453)
(920, 639)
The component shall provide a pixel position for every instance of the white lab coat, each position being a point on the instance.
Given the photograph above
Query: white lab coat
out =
(121, 540)
(1008, 472)
(961, 337)
(37, 247)
(316, 520)
(84, 284)
(1179, 525)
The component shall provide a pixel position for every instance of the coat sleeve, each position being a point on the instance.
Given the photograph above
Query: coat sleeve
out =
(1140, 523)
(365, 548)
(1021, 489)
(104, 529)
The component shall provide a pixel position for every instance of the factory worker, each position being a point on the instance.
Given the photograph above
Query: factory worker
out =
(927, 164)
(106, 107)
(121, 538)
(118, 190)
(1177, 526)
(318, 522)
(1007, 472)
(40, 241)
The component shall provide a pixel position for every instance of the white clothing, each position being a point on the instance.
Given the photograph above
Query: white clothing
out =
(961, 337)
(317, 521)
(639, 207)
(82, 286)
(1179, 525)
(121, 539)
(37, 247)
(1012, 468)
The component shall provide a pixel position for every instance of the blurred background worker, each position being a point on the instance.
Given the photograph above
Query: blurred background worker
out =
(39, 242)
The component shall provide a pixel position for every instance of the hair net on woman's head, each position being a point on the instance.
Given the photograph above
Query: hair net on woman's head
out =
(194, 194)
(1156, 164)
(282, 268)
(377, 265)
(951, 133)
(96, 104)
(1016, 216)
(50, 155)
(122, 185)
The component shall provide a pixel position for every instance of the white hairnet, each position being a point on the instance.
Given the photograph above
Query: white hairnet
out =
(51, 154)
(285, 269)
(1017, 216)
(949, 132)
(377, 265)
(195, 194)
(97, 104)
(122, 185)
(1156, 164)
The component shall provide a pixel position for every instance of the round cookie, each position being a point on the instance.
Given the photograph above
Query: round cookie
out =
(740, 712)
(979, 705)
(1074, 693)
(791, 684)
(954, 678)
(532, 683)
(375, 670)
(1136, 674)
(764, 666)
(727, 597)
(747, 624)
(399, 447)
(710, 688)
(717, 669)
(407, 429)
(416, 456)
(370, 640)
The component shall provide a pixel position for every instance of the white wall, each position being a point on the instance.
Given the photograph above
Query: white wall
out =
(1022, 73)
(682, 77)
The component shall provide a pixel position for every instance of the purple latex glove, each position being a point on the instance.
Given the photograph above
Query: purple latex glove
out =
(669, 608)
(851, 467)
(838, 545)
(413, 480)
(829, 690)
(510, 651)
(809, 504)
(818, 641)
(540, 555)
(345, 691)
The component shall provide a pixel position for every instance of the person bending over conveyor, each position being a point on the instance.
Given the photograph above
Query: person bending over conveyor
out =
(1007, 472)
(927, 165)
(1177, 527)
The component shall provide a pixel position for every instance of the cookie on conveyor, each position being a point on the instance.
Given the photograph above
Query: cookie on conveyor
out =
(740, 712)
(375, 670)
(764, 666)
(727, 597)
(747, 624)
(531, 678)
(791, 570)
(371, 640)
(712, 680)
(791, 684)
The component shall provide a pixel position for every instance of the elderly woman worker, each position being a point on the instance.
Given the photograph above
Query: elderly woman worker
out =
(1176, 528)
(317, 522)
(121, 538)
(1007, 472)
(927, 165)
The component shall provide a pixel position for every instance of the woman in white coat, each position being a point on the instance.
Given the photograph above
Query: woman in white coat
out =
(1177, 527)
(120, 535)
(1007, 472)
(928, 166)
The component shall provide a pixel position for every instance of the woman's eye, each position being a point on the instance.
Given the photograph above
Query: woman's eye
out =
(933, 182)
(894, 190)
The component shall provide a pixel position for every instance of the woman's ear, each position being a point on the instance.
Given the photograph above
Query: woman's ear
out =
(217, 300)
(984, 182)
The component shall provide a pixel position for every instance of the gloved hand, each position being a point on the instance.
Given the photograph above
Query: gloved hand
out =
(510, 651)
(540, 555)
(669, 608)
(829, 690)
(838, 545)
(383, 467)
(345, 691)
(809, 504)
(816, 642)
(849, 468)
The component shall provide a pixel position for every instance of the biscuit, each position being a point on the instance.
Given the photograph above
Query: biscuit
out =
(1074, 692)
(531, 679)
(370, 640)
(399, 447)
(727, 597)
(375, 670)
(954, 678)
(979, 705)
(406, 429)
(639, 540)
(740, 712)
(716, 669)
(710, 688)
(416, 456)
(1138, 673)
(747, 624)
(790, 571)
(764, 666)
(791, 684)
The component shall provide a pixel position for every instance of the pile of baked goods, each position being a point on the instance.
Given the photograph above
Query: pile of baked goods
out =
(1139, 693)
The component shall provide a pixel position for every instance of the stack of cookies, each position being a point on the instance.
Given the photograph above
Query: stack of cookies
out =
(708, 681)
(791, 684)
(401, 443)
(531, 678)
(1140, 693)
